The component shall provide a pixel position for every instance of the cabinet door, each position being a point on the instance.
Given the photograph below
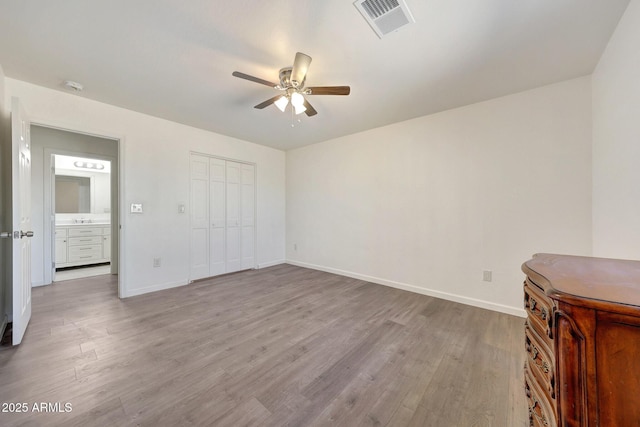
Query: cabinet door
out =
(571, 354)
(617, 344)
(106, 246)
(61, 251)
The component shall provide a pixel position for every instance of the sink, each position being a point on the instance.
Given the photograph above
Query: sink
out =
(87, 222)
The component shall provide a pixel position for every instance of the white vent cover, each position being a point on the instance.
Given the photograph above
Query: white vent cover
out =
(385, 16)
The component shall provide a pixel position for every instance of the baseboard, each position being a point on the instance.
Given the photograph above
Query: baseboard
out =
(38, 284)
(418, 290)
(160, 287)
(271, 263)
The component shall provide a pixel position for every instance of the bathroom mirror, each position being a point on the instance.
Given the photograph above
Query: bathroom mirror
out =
(73, 194)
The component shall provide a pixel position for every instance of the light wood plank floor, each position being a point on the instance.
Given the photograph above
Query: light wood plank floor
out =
(282, 346)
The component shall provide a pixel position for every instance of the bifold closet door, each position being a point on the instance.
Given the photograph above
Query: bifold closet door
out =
(217, 246)
(222, 214)
(233, 243)
(248, 215)
(199, 211)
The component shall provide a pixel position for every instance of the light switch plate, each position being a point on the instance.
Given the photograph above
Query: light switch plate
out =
(487, 275)
(136, 207)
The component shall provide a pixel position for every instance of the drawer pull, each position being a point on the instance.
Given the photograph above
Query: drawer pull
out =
(85, 257)
(534, 356)
(537, 359)
(540, 311)
(544, 314)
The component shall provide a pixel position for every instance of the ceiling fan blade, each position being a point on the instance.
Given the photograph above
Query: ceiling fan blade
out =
(300, 68)
(253, 79)
(267, 102)
(328, 90)
(310, 111)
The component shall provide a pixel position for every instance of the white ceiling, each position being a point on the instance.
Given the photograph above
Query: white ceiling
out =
(174, 58)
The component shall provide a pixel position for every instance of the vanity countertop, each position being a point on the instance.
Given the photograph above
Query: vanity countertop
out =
(81, 224)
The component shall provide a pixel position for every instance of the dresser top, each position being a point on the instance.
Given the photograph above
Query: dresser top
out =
(601, 280)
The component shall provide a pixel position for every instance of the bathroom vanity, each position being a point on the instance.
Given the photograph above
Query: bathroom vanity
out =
(82, 244)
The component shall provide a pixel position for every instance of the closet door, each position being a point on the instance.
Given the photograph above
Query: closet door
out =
(217, 190)
(233, 245)
(199, 216)
(248, 214)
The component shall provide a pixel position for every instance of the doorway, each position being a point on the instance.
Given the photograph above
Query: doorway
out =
(81, 197)
(87, 234)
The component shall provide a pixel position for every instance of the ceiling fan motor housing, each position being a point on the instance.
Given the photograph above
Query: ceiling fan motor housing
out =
(285, 79)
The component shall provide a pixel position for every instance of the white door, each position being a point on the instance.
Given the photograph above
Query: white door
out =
(217, 246)
(21, 203)
(248, 214)
(199, 213)
(234, 261)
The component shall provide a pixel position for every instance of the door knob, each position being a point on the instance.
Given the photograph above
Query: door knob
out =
(26, 234)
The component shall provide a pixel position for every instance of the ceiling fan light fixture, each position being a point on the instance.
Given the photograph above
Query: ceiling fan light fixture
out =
(281, 103)
(299, 109)
(297, 100)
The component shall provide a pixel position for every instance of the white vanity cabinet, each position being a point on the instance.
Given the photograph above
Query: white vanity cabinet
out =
(61, 245)
(82, 245)
(106, 242)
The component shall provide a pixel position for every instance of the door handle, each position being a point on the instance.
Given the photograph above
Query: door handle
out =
(26, 234)
(6, 235)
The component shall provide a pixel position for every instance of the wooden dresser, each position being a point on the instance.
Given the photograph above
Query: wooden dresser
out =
(582, 338)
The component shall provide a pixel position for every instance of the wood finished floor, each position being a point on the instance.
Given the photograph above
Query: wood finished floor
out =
(282, 346)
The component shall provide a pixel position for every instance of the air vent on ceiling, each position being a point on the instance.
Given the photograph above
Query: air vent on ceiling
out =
(385, 16)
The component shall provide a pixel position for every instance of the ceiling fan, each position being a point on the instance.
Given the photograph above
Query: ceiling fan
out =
(292, 88)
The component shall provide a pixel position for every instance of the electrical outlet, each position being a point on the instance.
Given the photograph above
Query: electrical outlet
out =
(486, 275)
(156, 262)
(136, 207)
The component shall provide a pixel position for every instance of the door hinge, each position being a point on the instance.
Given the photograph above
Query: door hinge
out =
(5, 235)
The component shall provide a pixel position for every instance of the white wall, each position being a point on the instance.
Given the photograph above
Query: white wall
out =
(427, 204)
(155, 162)
(616, 142)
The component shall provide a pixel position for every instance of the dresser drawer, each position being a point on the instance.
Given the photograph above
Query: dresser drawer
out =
(85, 231)
(60, 233)
(85, 240)
(540, 361)
(539, 311)
(541, 411)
